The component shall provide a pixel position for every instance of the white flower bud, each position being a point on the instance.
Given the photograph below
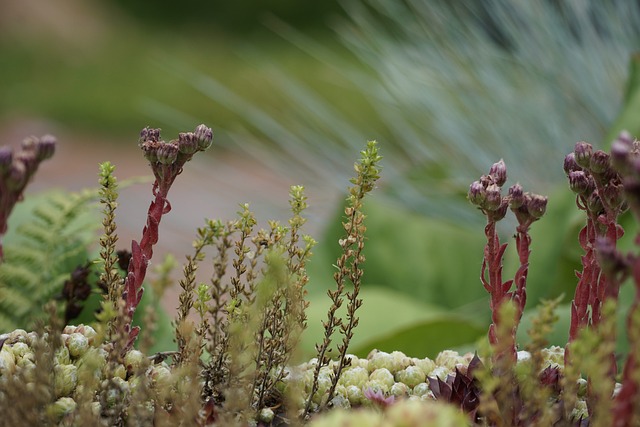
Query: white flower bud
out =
(553, 356)
(380, 359)
(400, 361)
(161, 376)
(425, 364)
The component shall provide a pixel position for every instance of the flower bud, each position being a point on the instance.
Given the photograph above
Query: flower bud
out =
(6, 158)
(621, 147)
(421, 389)
(516, 196)
(149, 134)
(7, 362)
(583, 153)
(167, 153)
(187, 142)
(134, 360)
(579, 182)
(493, 198)
(594, 204)
(266, 415)
(18, 175)
(204, 135)
(497, 214)
(477, 193)
(570, 164)
(599, 162)
(61, 407)
(45, 147)
(536, 206)
(498, 172)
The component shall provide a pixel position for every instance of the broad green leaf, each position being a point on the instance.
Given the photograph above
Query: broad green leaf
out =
(391, 321)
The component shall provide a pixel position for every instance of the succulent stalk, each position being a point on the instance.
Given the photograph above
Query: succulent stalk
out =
(166, 160)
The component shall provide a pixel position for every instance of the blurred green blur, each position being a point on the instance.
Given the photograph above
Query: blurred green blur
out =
(106, 66)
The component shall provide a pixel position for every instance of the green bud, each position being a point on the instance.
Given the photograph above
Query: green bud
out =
(411, 376)
(61, 407)
(7, 362)
(355, 395)
(19, 349)
(266, 415)
(62, 356)
(77, 344)
(421, 389)
(66, 379)
(383, 377)
(425, 364)
(354, 376)
(134, 360)
(399, 390)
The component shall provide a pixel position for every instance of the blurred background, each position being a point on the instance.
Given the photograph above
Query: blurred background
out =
(294, 89)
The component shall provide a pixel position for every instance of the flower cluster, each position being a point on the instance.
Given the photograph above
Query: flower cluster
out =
(166, 160)
(16, 169)
(486, 194)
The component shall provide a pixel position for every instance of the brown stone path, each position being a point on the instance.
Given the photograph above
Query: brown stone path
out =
(211, 186)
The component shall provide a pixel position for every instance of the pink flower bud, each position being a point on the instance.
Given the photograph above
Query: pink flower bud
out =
(167, 153)
(516, 196)
(498, 172)
(537, 206)
(599, 162)
(45, 147)
(570, 164)
(493, 198)
(583, 153)
(477, 193)
(579, 182)
(187, 143)
(204, 135)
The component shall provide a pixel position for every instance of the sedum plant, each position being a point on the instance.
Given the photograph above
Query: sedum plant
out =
(234, 360)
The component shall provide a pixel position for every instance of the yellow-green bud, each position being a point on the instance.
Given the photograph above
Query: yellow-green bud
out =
(266, 415)
(354, 376)
(427, 365)
(61, 407)
(77, 344)
(384, 377)
(421, 389)
(19, 349)
(7, 362)
(411, 376)
(134, 360)
(399, 390)
(66, 379)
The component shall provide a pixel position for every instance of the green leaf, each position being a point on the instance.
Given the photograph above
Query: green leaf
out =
(392, 321)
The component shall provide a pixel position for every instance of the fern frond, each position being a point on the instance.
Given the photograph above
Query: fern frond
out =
(51, 238)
